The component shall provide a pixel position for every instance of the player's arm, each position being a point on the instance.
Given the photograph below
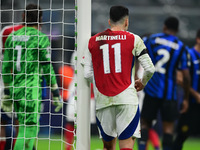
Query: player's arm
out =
(87, 63)
(45, 60)
(145, 61)
(195, 94)
(48, 71)
(186, 88)
(184, 68)
(7, 66)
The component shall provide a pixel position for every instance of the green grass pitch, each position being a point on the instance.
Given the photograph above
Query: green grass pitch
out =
(96, 144)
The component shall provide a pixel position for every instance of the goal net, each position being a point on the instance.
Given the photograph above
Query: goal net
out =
(57, 130)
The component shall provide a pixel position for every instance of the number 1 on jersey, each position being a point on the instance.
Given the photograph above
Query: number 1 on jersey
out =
(19, 52)
(117, 54)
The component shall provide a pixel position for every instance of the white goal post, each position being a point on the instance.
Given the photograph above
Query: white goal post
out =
(83, 89)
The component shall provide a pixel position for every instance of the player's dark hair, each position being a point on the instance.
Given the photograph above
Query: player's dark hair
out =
(32, 14)
(198, 34)
(172, 23)
(118, 12)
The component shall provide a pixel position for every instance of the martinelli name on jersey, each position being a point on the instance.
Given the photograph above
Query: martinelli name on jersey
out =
(108, 37)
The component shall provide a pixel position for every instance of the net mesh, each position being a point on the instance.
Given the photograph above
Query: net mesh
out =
(56, 129)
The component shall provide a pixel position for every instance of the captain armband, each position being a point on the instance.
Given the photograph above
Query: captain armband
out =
(144, 51)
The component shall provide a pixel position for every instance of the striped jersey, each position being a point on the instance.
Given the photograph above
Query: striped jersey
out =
(168, 54)
(27, 58)
(194, 71)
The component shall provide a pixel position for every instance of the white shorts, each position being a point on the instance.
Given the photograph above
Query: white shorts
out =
(120, 121)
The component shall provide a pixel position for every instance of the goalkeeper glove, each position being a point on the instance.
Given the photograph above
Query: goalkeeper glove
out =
(57, 101)
(6, 102)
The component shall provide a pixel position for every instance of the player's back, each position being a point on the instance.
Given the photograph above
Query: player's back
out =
(168, 54)
(28, 47)
(113, 60)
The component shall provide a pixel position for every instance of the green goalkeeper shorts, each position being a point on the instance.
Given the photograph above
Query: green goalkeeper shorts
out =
(27, 105)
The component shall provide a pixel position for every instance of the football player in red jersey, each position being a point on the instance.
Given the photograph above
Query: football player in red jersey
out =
(111, 58)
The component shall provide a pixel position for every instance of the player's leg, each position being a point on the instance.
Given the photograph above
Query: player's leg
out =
(7, 130)
(106, 122)
(127, 144)
(182, 132)
(188, 125)
(69, 135)
(2, 133)
(28, 117)
(69, 126)
(109, 145)
(169, 112)
(154, 138)
(26, 137)
(167, 141)
(148, 113)
(128, 125)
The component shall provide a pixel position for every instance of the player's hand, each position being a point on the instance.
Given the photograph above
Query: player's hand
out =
(185, 106)
(6, 102)
(197, 97)
(138, 85)
(57, 101)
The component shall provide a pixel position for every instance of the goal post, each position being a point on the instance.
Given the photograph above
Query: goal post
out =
(83, 88)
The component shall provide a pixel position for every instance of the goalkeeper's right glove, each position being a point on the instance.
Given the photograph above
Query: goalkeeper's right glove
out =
(6, 102)
(57, 101)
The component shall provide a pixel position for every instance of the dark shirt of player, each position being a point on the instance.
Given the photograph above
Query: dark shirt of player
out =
(194, 71)
(168, 54)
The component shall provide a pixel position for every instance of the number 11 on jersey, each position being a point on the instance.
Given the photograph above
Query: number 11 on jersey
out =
(117, 54)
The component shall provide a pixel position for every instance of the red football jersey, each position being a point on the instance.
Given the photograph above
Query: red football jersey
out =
(113, 60)
(8, 30)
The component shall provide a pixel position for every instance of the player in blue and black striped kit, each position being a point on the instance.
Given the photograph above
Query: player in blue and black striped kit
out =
(168, 54)
(189, 122)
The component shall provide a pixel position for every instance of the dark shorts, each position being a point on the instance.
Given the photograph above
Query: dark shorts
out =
(151, 106)
(189, 122)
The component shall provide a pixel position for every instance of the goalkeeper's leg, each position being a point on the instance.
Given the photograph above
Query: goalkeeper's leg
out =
(28, 117)
(26, 141)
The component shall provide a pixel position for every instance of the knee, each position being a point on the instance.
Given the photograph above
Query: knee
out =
(109, 145)
(27, 143)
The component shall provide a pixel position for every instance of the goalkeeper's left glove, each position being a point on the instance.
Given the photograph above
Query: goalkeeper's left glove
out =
(6, 102)
(57, 101)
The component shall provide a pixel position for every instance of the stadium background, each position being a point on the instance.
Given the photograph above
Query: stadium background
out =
(146, 16)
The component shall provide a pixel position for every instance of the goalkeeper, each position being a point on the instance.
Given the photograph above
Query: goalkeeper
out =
(26, 59)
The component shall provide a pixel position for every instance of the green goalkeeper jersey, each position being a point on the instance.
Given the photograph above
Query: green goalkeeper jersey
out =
(26, 59)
